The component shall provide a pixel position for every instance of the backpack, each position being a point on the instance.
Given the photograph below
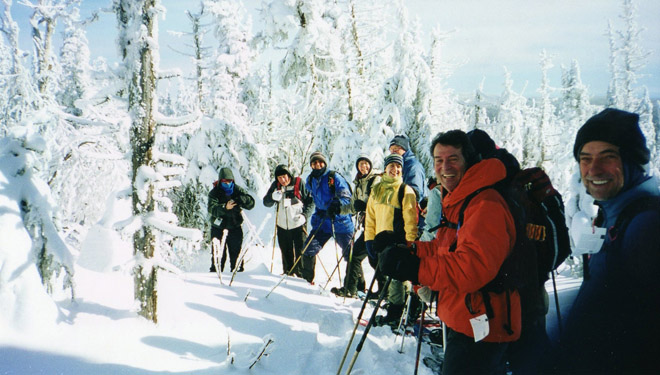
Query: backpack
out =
(544, 245)
(331, 182)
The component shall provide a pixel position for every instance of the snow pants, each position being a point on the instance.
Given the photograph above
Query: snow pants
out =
(464, 356)
(233, 245)
(354, 279)
(291, 243)
(314, 247)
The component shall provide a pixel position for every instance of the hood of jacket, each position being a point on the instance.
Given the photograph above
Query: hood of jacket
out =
(225, 174)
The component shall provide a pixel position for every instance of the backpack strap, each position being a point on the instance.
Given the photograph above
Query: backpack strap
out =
(296, 188)
(649, 202)
(397, 216)
(461, 214)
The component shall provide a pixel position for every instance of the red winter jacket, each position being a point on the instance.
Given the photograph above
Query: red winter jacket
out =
(484, 241)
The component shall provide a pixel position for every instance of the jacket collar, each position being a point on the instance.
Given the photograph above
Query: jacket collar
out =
(485, 173)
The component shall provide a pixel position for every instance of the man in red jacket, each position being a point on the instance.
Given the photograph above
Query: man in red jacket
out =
(462, 259)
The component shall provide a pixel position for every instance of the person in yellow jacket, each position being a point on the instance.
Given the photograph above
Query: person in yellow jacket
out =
(392, 206)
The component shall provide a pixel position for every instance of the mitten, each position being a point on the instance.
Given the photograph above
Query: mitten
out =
(384, 239)
(277, 195)
(334, 209)
(399, 262)
(359, 205)
(538, 184)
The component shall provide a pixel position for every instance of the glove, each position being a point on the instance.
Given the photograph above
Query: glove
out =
(359, 205)
(277, 195)
(538, 183)
(425, 294)
(399, 262)
(382, 240)
(334, 209)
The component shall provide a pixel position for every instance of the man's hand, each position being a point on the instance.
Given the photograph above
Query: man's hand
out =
(539, 186)
(382, 240)
(334, 209)
(399, 262)
(359, 205)
(230, 205)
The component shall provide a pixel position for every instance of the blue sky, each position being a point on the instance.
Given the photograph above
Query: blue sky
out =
(486, 37)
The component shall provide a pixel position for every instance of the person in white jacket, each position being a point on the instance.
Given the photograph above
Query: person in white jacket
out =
(294, 204)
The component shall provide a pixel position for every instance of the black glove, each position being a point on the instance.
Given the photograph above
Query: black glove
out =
(399, 262)
(383, 240)
(359, 205)
(334, 209)
(538, 183)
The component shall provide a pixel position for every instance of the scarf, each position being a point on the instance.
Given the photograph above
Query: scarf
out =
(386, 189)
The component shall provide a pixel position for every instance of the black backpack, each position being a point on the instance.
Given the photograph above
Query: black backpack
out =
(543, 246)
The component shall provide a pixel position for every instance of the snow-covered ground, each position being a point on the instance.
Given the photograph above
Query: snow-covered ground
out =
(200, 321)
(204, 326)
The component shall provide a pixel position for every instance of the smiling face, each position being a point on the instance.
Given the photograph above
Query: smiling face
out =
(393, 170)
(396, 149)
(284, 180)
(449, 165)
(601, 169)
(317, 164)
(364, 167)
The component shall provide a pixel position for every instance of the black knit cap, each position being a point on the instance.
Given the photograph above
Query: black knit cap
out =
(281, 170)
(401, 141)
(619, 128)
(317, 155)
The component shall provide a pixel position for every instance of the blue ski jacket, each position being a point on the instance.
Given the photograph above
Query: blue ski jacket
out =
(323, 195)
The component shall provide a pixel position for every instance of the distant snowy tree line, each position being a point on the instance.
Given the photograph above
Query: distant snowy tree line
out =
(341, 77)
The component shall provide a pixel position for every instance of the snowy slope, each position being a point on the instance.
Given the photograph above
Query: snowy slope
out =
(100, 332)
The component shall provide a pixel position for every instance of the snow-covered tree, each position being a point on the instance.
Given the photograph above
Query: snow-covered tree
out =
(74, 60)
(512, 119)
(151, 170)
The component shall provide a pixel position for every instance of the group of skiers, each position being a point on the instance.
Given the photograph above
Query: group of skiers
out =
(464, 242)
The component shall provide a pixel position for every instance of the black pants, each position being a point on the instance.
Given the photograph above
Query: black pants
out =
(464, 356)
(233, 245)
(291, 243)
(354, 272)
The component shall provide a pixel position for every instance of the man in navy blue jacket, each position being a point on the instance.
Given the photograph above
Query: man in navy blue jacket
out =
(332, 216)
(614, 324)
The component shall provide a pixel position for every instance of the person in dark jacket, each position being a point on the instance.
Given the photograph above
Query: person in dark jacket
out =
(413, 171)
(294, 206)
(332, 198)
(614, 324)
(226, 202)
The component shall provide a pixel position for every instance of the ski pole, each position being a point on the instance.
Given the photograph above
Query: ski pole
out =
(357, 323)
(334, 238)
(309, 241)
(382, 295)
(215, 248)
(272, 256)
(554, 286)
(403, 322)
(419, 337)
(332, 274)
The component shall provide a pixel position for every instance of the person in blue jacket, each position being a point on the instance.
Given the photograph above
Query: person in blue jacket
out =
(614, 324)
(332, 214)
(413, 171)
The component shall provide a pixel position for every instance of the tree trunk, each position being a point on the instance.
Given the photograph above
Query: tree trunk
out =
(140, 73)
